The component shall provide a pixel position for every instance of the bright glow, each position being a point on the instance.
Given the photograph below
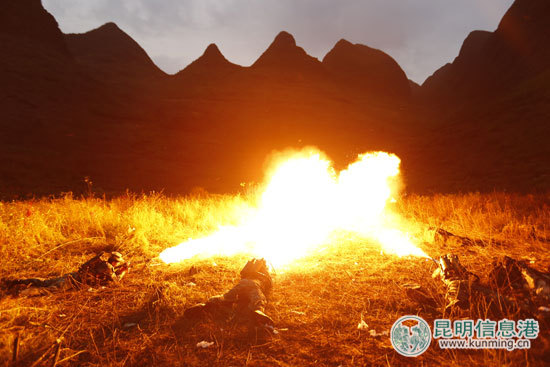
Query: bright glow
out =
(304, 202)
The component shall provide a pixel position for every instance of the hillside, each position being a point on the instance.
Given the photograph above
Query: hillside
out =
(95, 105)
(284, 57)
(111, 53)
(491, 105)
(368, 70)
(211, 65)
(493, 63)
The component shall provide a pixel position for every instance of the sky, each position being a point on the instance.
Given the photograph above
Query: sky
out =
(421, 35)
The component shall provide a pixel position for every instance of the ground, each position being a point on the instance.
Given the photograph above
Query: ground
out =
(316, 304)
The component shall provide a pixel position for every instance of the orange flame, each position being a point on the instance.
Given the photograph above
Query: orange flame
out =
(303, 203)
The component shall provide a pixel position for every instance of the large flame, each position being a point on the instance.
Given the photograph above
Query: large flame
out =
(303, 203)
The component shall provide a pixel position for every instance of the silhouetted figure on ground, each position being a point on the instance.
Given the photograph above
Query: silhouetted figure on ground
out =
(511, 282)
(245, 302)
(103, 268)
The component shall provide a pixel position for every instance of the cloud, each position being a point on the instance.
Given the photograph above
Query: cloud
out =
(421, 35)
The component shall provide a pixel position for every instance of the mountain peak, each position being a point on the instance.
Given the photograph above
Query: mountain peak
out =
(343, 43)
(491, 63)
(367, 69)
(212, 51)
(211, 57)
(110, 32)
(284, 39)
(211, 62)
(109, 26)
(473, 45)
(109, 49)
(284, 54)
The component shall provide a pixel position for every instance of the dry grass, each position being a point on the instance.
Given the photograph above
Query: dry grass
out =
(316, 305)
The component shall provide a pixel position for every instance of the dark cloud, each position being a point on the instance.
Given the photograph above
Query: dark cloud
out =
(421, 35)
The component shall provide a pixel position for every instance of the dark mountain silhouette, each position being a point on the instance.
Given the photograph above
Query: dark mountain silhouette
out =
(492, 104)
(211, 61)
(36, 69)
(368, 70)
(525, 33)
(29, 23)
(205, 73)
(285, 57)
(286, 98)
(31, 45)
(492, 64)
(109, 51)
(456, 79)
(95, 105)
(57, 117)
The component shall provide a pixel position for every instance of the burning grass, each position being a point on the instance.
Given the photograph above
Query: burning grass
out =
(316, 304)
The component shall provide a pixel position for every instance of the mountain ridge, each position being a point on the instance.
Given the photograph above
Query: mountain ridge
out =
(108, 49)
(367, 69)
(95, 105)
(283, 53)
(496, 62)
(211, 61)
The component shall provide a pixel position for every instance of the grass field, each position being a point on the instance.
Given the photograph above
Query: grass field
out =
(316, 304)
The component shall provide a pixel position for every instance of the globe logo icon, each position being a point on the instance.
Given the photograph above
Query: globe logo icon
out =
(411, 336)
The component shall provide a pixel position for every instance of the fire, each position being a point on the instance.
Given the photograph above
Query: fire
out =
(303, 204)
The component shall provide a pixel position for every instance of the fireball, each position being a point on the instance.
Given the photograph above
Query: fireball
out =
(302, 203)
